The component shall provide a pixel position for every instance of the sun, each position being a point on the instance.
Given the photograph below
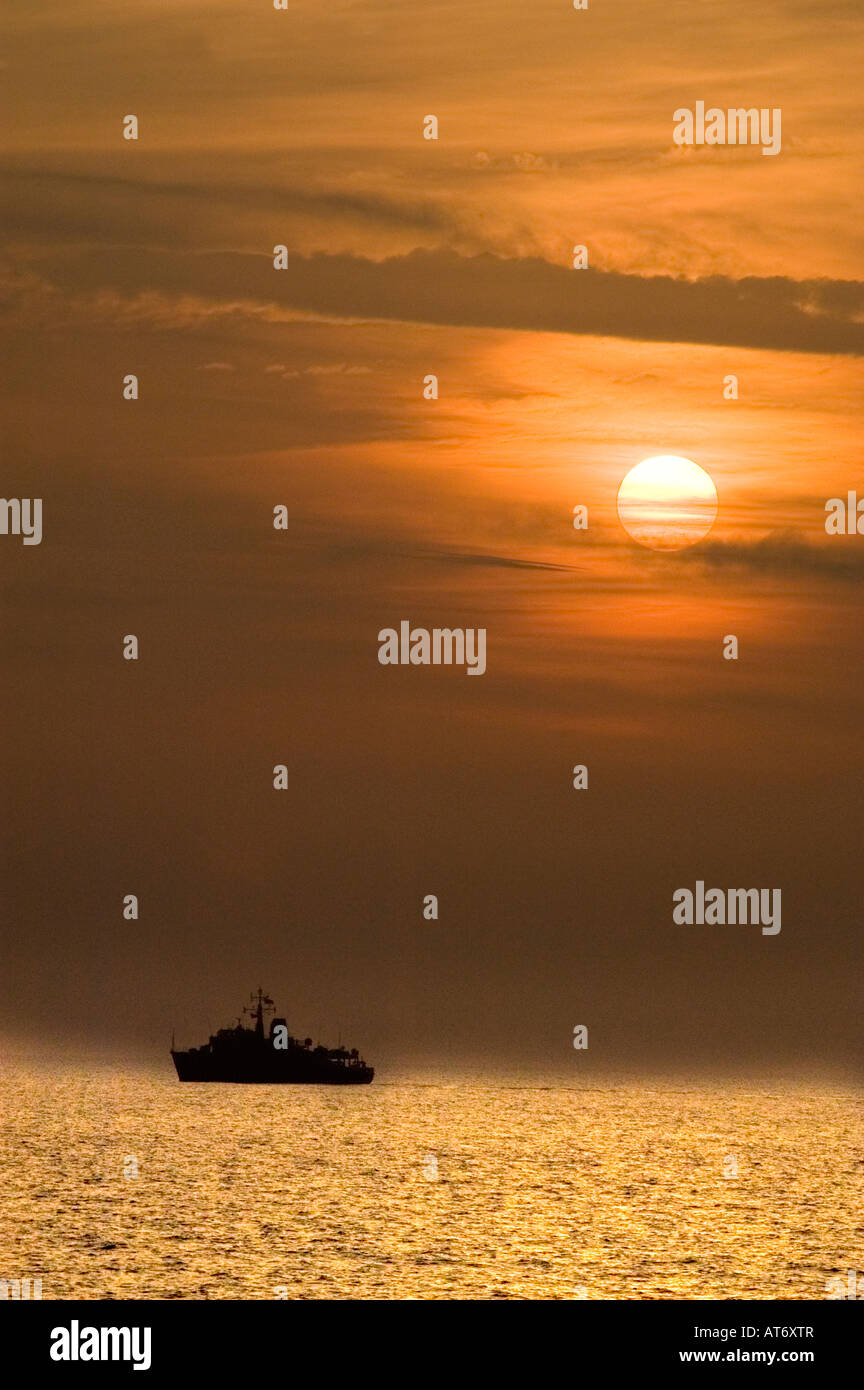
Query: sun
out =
(667, 502)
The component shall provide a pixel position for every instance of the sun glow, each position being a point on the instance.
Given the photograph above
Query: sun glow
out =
(667, 502)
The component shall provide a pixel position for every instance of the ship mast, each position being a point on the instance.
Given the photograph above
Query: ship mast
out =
(260, 1000)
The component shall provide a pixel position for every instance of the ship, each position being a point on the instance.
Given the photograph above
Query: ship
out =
(271, 1056)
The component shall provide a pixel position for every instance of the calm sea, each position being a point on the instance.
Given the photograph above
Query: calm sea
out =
(129, 1185)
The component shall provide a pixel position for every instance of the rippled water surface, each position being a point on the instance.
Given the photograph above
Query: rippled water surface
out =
(127, 1185)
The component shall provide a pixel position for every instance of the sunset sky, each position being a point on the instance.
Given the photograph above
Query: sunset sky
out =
(304, 387)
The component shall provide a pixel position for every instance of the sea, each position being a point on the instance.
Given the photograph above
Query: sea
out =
(124, 1184)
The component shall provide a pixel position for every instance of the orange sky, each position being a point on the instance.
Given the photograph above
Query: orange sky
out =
(304, 387)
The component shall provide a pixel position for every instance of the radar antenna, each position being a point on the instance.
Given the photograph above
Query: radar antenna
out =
(259, 1004)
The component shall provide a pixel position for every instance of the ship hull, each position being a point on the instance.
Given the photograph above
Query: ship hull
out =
(268, 1070)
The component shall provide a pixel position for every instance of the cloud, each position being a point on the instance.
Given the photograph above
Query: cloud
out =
(785, 552)
(101, 208)
(457, 557)
(319, 369)
(487, 291)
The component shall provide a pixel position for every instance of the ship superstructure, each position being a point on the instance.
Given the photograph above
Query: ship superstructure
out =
(259, 1054)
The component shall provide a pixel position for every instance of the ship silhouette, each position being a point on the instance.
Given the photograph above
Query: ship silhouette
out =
(252, 1055)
